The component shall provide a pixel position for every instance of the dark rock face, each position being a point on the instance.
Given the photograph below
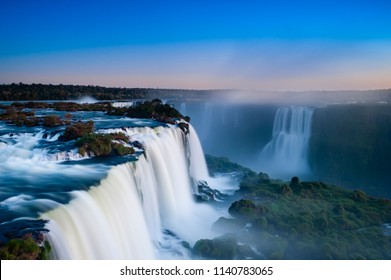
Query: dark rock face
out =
(184, 127)
(350, 146)
(206, 193)
(138, 145)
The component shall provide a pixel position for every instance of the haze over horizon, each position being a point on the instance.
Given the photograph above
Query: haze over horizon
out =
(247, 44)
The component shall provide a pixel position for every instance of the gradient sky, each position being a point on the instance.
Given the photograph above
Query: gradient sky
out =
(267, 45)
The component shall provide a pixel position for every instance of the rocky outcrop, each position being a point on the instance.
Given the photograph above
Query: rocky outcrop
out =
(206, 193)
(104, 145)
(24, 240)
(77, 130)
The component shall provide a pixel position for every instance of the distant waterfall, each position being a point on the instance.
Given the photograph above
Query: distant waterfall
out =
(286, 153)
(128, 215)
(122, 104)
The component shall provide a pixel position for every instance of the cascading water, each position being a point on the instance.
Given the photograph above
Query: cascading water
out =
(286, 153)
(198, 168)
(130, 213)
(122, 104)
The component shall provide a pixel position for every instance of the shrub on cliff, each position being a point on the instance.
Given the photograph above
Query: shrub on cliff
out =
(52, 120)
(24, 248)
(103, 144)
(98, 144)
(77, 130)
(245, 210)
(19, 118)
(154, 109)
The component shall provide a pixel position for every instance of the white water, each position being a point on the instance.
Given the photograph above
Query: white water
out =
(198, 168)
(286, 153)
(122, 104)
(22, 156)
(86, 99)
(124, 217)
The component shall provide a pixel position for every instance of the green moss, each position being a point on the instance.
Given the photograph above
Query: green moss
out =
(218, 248)
(77, 130)
(121, 150)
(314, 220)
(223, 165)
(103, 144)
(246, 210)
(25, 248)
(154, 109)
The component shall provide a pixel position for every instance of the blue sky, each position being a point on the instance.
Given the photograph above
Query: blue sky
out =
(276, 45)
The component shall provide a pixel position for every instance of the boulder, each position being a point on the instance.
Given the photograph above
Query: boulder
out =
(217, 249)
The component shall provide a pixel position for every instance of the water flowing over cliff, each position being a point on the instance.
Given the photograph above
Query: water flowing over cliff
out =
(142, 209)
(286, 154)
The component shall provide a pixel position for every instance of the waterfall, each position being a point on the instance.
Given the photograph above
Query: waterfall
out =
(286, 153)
(198, 168)
(122, 104)
(128, 215)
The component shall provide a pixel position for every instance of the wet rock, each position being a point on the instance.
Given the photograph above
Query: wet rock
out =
(218, 249)
(206, 193)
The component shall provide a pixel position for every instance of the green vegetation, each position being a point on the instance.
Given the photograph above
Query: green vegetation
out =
(154, 109)
(24, 248)
(305, 220)
(52, 120)
(104, 144)
(26, 92)
(22, 114)
(219, 248)
(223, 165)
(77, 130)
(18, 118)
(65, 92)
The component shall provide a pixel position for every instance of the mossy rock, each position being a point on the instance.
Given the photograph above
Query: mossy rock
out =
(217, 249)
(52, 121)
(98, 144)
(224, 165)
(77, 130)
(154, 109)
(184, 127)
(103, 145)
(121, 150)
(246, 209)
(24, 248)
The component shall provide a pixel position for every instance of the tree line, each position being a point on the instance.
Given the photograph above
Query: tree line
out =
(30, 92)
